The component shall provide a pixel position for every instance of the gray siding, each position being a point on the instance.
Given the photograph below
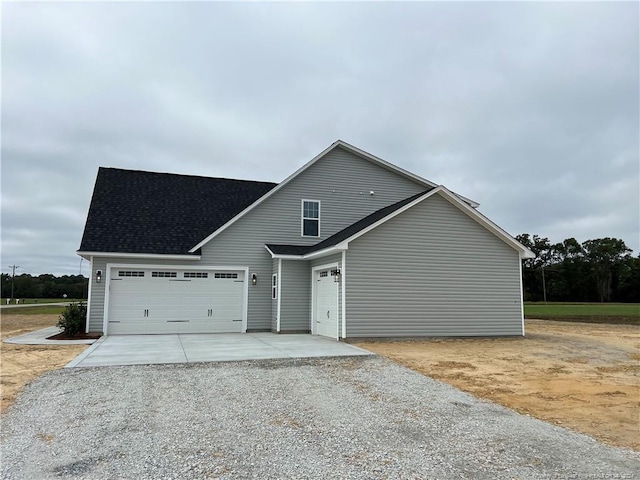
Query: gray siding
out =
(341, 181)
(96, 302)
(432, 271)
(336, 258)
(296, 296)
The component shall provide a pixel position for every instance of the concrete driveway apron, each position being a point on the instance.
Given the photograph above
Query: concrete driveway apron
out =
(192, 348)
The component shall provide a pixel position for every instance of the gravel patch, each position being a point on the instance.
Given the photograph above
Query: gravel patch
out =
(347, 418)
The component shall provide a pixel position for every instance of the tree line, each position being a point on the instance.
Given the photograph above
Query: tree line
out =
(600, 270)
(44, 286)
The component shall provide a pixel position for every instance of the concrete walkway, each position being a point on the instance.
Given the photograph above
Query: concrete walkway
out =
(191, 348)
(39, 337)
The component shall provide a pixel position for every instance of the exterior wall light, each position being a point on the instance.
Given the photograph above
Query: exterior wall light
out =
(337, 276)
(254, 279)
(98, 276)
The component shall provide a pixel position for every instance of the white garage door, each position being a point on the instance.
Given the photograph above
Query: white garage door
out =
(175, 301)
(326, 304)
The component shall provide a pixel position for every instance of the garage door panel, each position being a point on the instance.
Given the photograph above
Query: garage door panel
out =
(125, 329)
(169, 302)
(326, 305)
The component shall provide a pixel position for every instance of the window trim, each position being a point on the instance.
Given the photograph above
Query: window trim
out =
(191, 274)
(274, 286)
(303, 218)
(164, 274)
(225, 275)
(131, 273)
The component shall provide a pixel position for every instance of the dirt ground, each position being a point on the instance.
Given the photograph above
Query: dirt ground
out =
(20, 364)
(578, 375)
(581, 376)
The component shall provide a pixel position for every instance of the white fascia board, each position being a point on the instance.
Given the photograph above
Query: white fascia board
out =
(283, 256)
(288, 257)
(440, 190)
(336, 144)
(208, 268)
(156, 256)
(456, 201)
(324, 252)
(396, 169)
(267, 195)
(383, 163)
(344, 245)
(526, 254)
(308, 256)
(485, 222)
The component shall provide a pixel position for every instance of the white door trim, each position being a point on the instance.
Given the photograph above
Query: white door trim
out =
(111, 266)
(343, 286)
(278, 294)
(314, 299)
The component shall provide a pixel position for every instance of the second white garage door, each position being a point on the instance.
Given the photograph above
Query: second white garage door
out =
(325, 304)
(175, 301)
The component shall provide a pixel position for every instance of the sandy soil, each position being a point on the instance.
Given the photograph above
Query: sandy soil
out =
(578, 375)
(20, 364)
(582, 376)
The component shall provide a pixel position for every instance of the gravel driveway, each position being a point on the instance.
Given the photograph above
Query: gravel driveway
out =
(328, 418)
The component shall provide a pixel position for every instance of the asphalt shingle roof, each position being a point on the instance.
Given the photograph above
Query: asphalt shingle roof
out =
(346, 232)
(160, 213)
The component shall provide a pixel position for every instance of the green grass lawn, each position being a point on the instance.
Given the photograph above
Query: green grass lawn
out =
(584, 312)
(35, 310)
(3, 301)
(39, 306)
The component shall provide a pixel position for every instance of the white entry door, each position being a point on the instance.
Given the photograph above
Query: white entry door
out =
(165, 300)
(326, 304)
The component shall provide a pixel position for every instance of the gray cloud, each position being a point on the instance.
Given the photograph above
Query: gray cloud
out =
(532, 109)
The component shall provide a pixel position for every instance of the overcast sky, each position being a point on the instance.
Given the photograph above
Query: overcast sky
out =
(530, 109)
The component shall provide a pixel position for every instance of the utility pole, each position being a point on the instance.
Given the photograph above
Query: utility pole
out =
(13, 276)
(544, 286)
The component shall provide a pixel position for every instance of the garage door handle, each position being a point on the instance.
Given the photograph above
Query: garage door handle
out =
(328, 315)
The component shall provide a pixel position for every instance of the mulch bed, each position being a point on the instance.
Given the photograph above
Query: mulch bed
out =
(81, 336)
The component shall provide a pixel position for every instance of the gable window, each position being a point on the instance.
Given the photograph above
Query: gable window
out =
(310, 218)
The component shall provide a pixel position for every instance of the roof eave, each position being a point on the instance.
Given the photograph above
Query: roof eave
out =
(523, 251)
(454, 199)
(397, 169)
(87, 254)
(308, 256)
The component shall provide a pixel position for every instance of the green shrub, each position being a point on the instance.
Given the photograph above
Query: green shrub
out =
(73, 319)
